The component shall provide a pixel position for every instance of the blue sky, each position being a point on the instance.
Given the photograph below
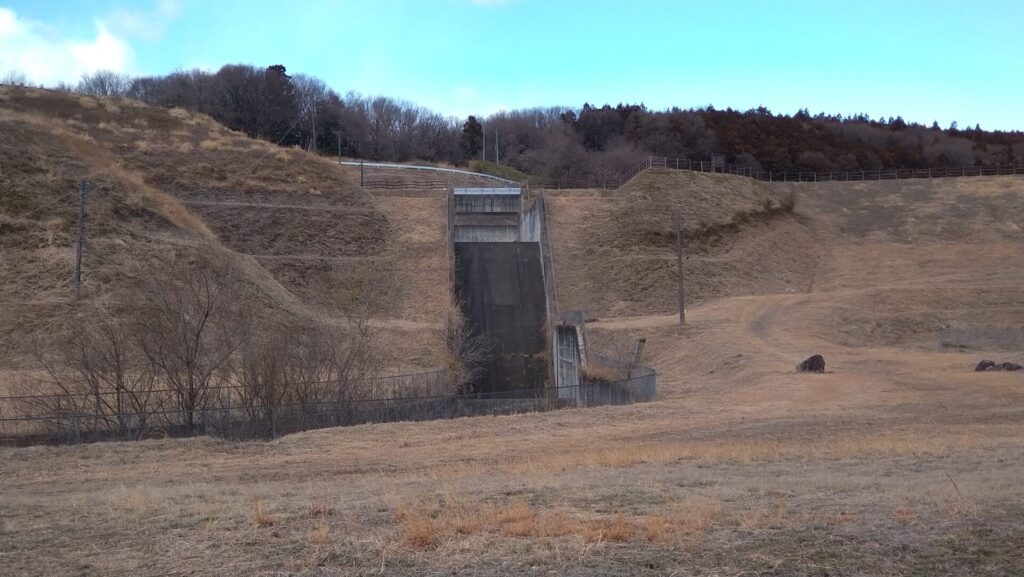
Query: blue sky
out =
(938, 60)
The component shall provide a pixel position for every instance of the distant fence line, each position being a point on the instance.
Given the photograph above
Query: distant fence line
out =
(663, 163)
(224, 416)
(981, 339)
(659, 162)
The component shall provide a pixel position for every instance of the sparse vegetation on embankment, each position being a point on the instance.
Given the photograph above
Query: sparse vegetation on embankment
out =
(500, 170)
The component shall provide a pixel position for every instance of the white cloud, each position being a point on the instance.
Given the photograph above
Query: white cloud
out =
(26, 47)
(146, 24)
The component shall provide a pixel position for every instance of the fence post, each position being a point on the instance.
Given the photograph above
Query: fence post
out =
(679, 268)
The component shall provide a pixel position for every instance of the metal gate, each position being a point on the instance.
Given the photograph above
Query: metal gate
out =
(567, 377)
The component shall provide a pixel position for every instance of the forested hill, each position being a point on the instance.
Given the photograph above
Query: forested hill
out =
(558, 141)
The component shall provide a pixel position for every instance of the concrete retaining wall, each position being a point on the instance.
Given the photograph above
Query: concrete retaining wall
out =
(531, 222)
(481, 233)
(488, 203)
(501, 288)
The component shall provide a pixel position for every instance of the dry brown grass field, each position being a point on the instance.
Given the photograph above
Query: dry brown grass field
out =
(898, 461)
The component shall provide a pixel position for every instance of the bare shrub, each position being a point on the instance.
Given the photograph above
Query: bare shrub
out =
(465, 352)
(613, 363)
(104, 83)
(190, 320)
(14, 78)
(293, 370)
(260, 515)
(99, 371)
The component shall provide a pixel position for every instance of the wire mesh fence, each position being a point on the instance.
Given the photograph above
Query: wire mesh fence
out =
(72, 419)
(994, 339)
(380, 179)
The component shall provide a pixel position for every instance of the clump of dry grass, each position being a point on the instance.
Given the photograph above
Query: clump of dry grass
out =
(904, 514)
(210, 144)
(54, 227)
(602, 373)
(319, 509)
(260, 516)
(320, 534)
(425, 527)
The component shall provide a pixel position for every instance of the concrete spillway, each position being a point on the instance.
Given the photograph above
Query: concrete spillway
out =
(505, 286)
(501, 288)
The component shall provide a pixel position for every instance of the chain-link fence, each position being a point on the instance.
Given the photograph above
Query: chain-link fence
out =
(69, 419)
(978, 339)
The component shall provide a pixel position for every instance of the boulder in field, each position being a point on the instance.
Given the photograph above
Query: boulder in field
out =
(813, 364)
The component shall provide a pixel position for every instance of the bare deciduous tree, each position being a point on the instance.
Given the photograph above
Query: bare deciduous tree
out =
(190, 321)
(105, 83)
(99, 371)
(14, 78)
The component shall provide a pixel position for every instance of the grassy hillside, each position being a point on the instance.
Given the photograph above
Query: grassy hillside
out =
(499, 170)
(615, 254)
(167, 183)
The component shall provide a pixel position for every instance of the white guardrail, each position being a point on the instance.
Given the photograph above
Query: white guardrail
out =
(428, 169)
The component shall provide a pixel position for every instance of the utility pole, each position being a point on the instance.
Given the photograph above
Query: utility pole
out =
(483, 147)
(679, 268)
(83, 188)
(314, 147)
(362, 170)
(496, 161)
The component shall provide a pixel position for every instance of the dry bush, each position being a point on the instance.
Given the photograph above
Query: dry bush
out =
(614, 361)
(319, 535)
(209, 144)
(306, 366)
(54, 227)
(465, 352)
(656, 528)
(904, 514)
(99, 371)
(260, 516)
(190, 320)
(319, 509)
(593, 373)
